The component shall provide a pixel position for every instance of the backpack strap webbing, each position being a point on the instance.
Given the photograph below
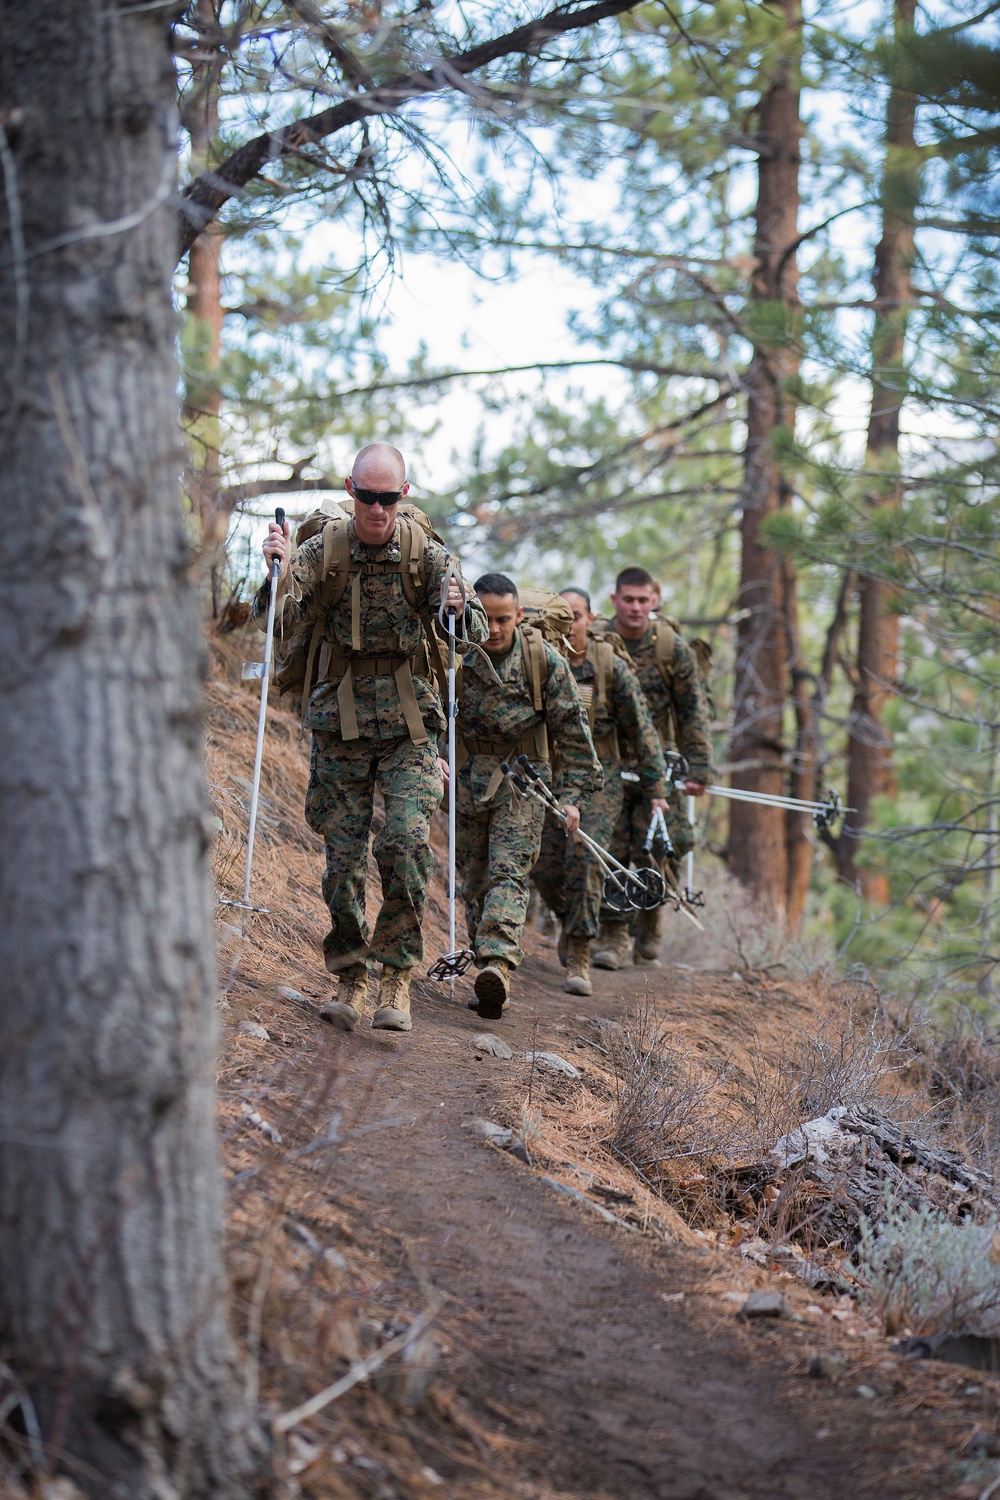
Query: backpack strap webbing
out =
(603, 657)
(664, 641)
(536, 665)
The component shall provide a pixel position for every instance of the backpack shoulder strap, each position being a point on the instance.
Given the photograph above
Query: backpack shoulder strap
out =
(336, 561)
(604, 661)
(335, 577)
(536, 664)
(665, 640)
(411, 562)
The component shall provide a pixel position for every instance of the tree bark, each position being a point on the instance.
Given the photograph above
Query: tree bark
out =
(203, 342)
(870, 769)
(757, 854)
(112, 1294)
(803, 776)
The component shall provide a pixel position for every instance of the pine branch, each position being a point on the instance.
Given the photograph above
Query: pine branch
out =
(203, 198)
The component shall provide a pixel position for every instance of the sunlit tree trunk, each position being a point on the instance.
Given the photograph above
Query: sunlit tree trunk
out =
(758, 854)
(113, 1297)
(870, 770)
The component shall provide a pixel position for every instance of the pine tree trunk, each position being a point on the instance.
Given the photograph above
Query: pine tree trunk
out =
(203, 342)
(757, 849)
(800, 842)
(112, 1293)
(870, 771)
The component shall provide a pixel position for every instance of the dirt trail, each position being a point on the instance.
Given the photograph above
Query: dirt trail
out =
(621, 1393)
(585, 1381)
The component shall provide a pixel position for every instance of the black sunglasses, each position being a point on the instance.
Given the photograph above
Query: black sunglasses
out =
(378, 497)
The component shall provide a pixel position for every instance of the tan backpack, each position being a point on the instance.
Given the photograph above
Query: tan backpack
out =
(298, 663)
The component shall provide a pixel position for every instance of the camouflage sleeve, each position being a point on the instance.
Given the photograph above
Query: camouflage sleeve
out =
(694, 738)
(636, 725)
(436, 559)
(296, 595)
(580, 772)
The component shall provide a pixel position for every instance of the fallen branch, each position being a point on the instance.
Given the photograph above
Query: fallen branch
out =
(362, 1370)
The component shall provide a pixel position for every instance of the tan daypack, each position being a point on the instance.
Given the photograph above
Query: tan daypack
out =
(305, 660)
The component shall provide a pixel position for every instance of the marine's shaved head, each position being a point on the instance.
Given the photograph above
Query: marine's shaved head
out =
(379, 466)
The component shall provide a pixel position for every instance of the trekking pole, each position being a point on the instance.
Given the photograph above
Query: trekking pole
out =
(251, 670)
(456, 960)
(689, 862)
(681, 899)
(624, 889)
(824, 813)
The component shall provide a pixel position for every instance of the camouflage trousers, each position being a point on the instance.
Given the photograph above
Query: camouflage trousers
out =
(568, 878)
(339, 805)
(631, 830)
(496, 847)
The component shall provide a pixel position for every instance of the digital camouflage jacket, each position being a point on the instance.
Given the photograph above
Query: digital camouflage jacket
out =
(390, 630)
(621, 717)
(496, 723)
(680, 711)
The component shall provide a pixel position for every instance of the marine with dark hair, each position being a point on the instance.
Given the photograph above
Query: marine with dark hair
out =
(667, 669)
(566, 876)
(535, 706)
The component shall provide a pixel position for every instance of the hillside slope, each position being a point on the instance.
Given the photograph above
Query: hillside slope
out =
(579, 1344)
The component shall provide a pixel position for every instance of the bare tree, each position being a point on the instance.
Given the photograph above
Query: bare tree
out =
(112, 1292)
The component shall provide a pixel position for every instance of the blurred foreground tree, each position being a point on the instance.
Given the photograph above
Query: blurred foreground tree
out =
(113, 1296)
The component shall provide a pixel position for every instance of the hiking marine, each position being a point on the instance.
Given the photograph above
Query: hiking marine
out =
(363, 591)
(522, 700)
(668, 671)
(566, 876)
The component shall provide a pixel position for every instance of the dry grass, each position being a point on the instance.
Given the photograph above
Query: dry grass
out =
(848, 1056)
(668, 1102)
(959, 1066)
(316, 1283)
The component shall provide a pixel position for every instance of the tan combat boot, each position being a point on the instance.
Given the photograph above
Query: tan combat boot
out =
(578, 965)
(393, 1010)
(649, 939)
(348, 1004)
(493, 989)
(611, 946)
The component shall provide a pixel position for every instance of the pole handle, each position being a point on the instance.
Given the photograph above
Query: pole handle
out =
(279, 516)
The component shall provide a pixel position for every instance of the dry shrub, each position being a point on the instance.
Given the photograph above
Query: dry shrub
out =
(737, 933)
(923, 1274)
(850, 1057)
(961, 1072)
(666, 1106)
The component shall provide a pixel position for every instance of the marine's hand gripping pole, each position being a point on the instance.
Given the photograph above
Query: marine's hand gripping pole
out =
(252, 669)
(457, 960)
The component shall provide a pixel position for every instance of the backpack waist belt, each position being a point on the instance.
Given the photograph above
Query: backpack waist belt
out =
(334, 663)
(533, 742)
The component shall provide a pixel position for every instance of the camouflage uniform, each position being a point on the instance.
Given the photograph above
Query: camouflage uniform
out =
(566, 875)
(345, 773)
(499, 836)
(681, 716)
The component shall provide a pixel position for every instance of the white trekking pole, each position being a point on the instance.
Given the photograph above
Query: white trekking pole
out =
(456, 960)
(251, 670)
(689, 874)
